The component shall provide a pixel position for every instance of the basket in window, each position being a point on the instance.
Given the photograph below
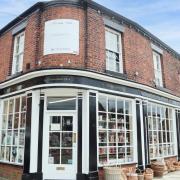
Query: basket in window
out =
(148, 174)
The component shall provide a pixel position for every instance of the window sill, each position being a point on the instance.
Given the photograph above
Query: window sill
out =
(117, 74)
(11, 164)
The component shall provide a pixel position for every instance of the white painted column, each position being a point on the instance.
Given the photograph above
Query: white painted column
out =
(85, 133)
(34, 131)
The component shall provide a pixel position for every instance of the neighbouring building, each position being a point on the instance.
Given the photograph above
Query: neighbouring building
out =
(82, 87)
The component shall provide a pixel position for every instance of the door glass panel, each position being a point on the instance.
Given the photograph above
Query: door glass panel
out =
(60, 140)
(67, 123)
(67, 139)
(66, 156)
(54, 156)
(54, 140)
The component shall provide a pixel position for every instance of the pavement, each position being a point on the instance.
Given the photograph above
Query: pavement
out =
(170, 176)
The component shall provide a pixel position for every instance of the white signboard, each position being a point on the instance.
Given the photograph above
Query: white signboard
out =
(61, 36)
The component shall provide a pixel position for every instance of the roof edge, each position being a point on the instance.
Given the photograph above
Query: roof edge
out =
(104, 10)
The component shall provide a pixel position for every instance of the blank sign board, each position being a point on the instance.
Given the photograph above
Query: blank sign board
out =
(61, 36)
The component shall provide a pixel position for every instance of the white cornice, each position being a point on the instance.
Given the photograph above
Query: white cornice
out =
(89, 74)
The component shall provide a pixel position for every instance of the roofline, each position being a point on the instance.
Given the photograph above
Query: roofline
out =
(103, 10)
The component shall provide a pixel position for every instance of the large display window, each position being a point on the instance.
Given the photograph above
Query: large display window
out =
(115, 130)
(12, 130)
(161, 131)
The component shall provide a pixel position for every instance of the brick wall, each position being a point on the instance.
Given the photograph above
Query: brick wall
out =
(137, 51)
(62, 60)
(10, 172)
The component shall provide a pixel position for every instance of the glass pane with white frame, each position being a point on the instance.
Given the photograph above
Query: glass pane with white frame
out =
(157, 69)
(161, 131)
(12, 132)
(113, 51)
(115, 130)
(18, 52)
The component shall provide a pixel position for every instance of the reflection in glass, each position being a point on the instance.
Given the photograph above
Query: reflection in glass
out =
(10, 117)
(4, 121)
(16, 120)
(21, 137)
(102, 103)
(9, 137)
(66, 139)
(2, 153)
(3, 137)
(61, 103)
(23, 120)
(67, 123)
(5, 109)
(54, 156)
(120, 106)
(54, 139)
(111, 105)
(66, 156)
(21, 155)
(14, 154)
(55, 123)
(17, 105)
(8, 150)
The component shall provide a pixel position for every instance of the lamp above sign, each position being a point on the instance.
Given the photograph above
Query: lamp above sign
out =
(61, 36)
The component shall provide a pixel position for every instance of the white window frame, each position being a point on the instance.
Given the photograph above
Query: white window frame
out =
(157, 71)
(119, 52)
(18, 54)
(155, 131)
(133, 131)
(18, 129)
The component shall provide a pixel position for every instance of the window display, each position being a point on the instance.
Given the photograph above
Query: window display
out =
(161, 131)
(13, 130)
(115, 130)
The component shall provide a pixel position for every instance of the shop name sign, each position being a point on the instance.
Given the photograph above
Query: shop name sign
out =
(61, 36)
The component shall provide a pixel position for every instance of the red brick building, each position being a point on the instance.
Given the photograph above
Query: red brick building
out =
(82, 87)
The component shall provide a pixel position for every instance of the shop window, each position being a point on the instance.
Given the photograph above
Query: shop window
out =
(61, 103)
(157, 69)
(18, 54)
(115, 131)
(161, 131)
(12, 130)
(113, 51)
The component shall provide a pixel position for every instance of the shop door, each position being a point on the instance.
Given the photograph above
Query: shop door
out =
(60, 146)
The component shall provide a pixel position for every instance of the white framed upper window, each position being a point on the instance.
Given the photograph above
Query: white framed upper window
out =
(18, 53)
(113, 51)
(157, 69)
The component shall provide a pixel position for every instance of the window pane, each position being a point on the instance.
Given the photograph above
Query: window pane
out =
(111, 105)
(14, 154)
(11, 106)
(64, 103)
(23, 106)
(17, 104)
(5, 111)
(54, 140)
(102, 103)
(120, 106)
(66, 156)
(21, 155)
(54, 156)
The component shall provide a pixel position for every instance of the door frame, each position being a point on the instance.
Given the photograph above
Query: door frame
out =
(65, 175)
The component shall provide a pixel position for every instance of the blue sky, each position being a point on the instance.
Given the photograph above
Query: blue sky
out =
(160, 17)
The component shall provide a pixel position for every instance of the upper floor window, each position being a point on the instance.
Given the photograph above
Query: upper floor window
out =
(113, 51)
(17, 64)
(157, 69)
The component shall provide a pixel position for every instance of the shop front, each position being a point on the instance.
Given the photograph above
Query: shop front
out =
(70, 127)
